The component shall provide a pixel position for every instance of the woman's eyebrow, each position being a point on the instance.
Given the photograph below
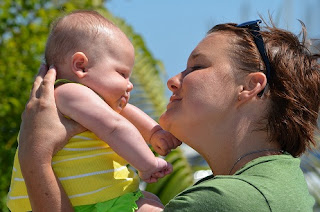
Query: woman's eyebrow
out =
(194, 56)
(200, 56)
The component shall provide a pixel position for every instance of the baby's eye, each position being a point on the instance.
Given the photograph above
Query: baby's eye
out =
(122, 74)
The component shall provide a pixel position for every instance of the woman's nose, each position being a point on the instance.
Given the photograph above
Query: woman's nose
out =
(129, 86)
(174, 82)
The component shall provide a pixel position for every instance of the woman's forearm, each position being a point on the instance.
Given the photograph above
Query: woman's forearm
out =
(44, 189)
(43, 132)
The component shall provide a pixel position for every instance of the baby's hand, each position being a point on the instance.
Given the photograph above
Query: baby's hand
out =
(163, 141)
(161, 169)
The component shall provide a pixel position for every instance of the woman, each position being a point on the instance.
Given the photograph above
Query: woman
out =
(248, 102)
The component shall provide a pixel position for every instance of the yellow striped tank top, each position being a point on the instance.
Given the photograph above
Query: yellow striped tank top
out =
(89, 170)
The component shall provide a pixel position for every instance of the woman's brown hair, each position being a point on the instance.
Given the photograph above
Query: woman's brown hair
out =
(294, 90)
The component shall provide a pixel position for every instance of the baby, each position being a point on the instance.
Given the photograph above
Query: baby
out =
(94, 59)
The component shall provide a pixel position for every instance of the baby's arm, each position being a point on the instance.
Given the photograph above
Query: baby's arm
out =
(161, 140)
(85, 107)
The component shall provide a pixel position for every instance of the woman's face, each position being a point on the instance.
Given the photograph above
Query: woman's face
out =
(202, 94)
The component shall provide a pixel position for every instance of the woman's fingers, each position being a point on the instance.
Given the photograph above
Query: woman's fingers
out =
(38, 81)
(47, 88)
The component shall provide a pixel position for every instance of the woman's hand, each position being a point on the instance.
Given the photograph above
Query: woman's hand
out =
(43, 132)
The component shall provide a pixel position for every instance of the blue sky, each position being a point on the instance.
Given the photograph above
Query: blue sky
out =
(172, 28)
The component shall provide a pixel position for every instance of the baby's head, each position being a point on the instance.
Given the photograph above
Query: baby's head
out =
(87, 48)
(77, 31)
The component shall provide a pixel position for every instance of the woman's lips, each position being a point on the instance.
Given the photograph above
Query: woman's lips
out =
(173, 99)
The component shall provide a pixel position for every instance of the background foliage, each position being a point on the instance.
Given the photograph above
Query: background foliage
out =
(24, 27)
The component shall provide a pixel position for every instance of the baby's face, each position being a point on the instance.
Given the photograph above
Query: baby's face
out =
(110, 75)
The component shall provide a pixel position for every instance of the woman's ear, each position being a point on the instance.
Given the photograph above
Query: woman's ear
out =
(254, 84)
(79, 64)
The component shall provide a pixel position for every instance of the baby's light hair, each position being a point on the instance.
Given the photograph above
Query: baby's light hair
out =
(78, 31)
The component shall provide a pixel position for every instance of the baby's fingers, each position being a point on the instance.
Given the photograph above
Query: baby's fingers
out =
(176, 142)
(159, 174)
(151, 180)
(169, 168)
(161, 151)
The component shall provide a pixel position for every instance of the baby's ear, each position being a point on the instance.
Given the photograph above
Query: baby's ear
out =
(254, 84)
(79, 64)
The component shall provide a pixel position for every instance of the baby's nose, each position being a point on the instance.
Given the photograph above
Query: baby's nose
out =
(129, 87)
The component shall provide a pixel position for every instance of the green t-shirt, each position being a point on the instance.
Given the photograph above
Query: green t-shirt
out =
(271, 183)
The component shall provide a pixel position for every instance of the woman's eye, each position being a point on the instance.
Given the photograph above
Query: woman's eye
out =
(196, 68)
(191, 69)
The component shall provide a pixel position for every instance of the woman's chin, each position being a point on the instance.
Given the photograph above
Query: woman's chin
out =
(163, 121)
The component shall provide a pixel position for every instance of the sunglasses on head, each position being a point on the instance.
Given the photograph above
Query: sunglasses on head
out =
(254, 29)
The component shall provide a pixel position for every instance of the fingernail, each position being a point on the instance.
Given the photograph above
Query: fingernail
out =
(52, 66)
